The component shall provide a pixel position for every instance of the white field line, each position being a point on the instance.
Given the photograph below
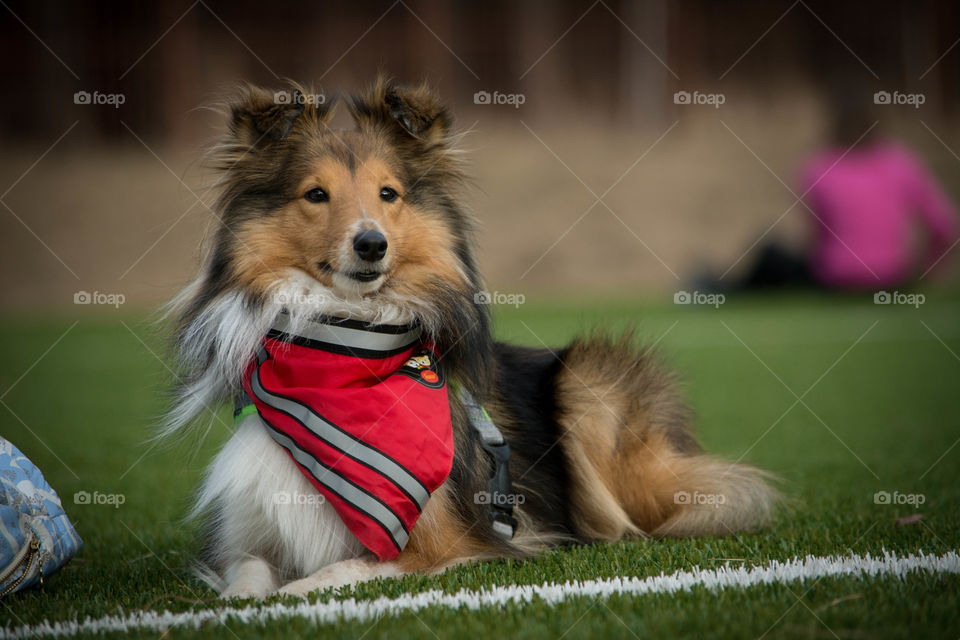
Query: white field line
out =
(809, 568)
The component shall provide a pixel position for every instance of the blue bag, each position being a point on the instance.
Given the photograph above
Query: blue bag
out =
(36, 538)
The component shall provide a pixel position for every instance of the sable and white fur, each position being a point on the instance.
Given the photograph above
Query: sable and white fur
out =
(600, 438)
(240, 492)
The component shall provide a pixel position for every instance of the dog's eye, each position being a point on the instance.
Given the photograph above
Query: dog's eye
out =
(317, 195)
(388, 195)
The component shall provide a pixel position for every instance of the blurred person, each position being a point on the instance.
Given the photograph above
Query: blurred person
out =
(865, 194)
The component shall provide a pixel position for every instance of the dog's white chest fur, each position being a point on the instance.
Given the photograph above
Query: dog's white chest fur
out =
(268, 507)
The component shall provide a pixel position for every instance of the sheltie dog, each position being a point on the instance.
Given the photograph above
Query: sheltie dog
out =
(367, 226)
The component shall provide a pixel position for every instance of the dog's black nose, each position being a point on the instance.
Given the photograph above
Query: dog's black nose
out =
(370, 245)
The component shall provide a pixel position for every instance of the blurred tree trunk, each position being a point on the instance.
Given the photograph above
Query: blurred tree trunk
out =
(644, 84)
(177, 72)
(541, 75)
(428, 58)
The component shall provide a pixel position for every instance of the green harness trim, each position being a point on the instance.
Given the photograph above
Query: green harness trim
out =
(242, 412)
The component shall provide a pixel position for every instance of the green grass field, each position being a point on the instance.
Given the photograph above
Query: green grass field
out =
(877, 412)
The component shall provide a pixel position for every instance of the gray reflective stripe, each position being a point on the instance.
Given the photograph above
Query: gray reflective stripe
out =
(336, 438)
(347, 337)
(480, 419)
(349, 493)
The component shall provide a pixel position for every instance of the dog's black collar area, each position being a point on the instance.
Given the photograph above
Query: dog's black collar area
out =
(359, 325)
(345, 336)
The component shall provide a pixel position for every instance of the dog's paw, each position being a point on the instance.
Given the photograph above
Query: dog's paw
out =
(299, 588)
(250, 577)
(234, 592)
(339, 574)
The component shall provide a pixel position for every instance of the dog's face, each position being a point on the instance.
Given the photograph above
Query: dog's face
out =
(362, 224)
(361, 213)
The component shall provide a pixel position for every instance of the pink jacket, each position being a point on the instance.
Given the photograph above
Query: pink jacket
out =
(866, 205)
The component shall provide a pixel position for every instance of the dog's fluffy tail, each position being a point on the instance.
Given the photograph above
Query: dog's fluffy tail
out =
(715, 497)
(636, 467)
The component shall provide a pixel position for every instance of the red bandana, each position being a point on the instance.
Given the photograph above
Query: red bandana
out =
(363, 412)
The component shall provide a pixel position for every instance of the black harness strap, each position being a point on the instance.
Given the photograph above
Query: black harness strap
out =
(500, 490)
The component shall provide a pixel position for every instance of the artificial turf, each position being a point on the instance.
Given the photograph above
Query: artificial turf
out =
(840, 397)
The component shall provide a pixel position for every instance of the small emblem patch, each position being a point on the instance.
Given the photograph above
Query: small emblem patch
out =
(424, 368)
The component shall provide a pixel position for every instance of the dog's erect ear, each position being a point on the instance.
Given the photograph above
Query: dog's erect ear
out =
(259, 115)
(419, 111)
(408, 112)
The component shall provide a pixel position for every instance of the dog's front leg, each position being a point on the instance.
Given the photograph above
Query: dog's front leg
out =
(340, 574)
(250, 577)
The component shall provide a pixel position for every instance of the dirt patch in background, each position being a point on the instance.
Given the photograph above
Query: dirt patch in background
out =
(121, 221)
